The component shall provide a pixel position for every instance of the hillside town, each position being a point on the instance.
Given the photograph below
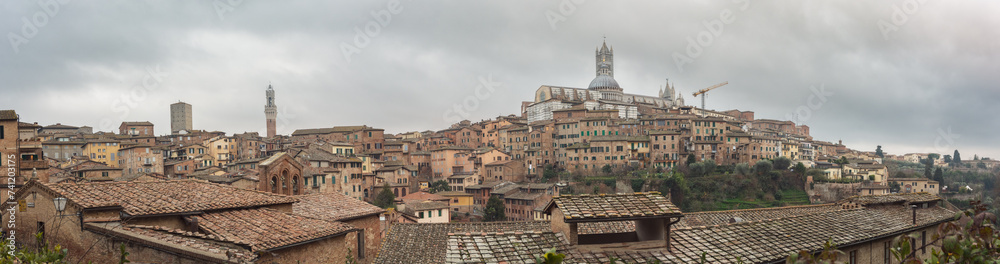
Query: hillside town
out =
(570, 172)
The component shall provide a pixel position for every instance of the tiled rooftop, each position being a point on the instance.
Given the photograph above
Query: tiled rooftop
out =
(509, 247)
(428, 243)
(333, 207)
(414, 206)
(186, 242)
(264, 228)
(163, 197)
(746, 215)
(893, 198)
(772, 240)
(614, 206)
(8, 115)
(606, 227)
(423, 196)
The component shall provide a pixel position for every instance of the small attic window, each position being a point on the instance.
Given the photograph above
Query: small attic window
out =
(736, 219)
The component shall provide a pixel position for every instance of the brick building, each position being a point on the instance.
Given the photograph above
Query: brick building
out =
(187, 221)
(280, 174)
(143, 129)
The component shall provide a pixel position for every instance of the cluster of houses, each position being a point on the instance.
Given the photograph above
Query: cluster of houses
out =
(204, 196)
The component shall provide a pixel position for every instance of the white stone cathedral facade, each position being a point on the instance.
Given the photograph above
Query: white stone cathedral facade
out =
(603, 93)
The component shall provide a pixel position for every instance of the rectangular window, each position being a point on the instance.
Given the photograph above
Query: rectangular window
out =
(420, 215)
(361, 244)
(923, 242)
(853, 258)
(885, 252)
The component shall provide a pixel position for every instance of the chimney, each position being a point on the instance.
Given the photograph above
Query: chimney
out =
(191, 225)
(914, 213)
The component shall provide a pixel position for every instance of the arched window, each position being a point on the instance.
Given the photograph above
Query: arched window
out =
(366, 193)
(395, 191)
(284, 180)
(295, 184)
(274, 183)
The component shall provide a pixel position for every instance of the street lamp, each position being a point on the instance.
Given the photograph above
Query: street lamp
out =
(60, 203)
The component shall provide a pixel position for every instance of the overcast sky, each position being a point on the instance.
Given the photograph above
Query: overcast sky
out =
(917, 76)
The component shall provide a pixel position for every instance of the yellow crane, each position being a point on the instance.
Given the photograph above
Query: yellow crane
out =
(703, 91)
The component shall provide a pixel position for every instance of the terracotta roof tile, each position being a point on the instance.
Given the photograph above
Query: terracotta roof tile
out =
(333, 207)
(510, 247)
(428, 243)
(264, 228)
(185, 242)
(164, 197)
(772, 240)
(746, 215)
(614, 206)
(8, 115)
(892, 198)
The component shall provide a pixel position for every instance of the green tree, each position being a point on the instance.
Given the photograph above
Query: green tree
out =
(606, 169)
(981, 165)
(782, 163)
(763, 167)
(800, 169)
(957, 158)
(43, 254)
(385, 198)
(878, 151)
(690, 159)
(742, 169)
(708, 166)
(550, 172)
(439, 186)
(939, 176)
(677, 188)
(696, 169)
(928, 165)
(494, 210)
(976, 241)
(975, 157)
(947, 159)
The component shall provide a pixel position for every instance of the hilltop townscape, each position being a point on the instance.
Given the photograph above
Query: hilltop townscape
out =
(594, 172)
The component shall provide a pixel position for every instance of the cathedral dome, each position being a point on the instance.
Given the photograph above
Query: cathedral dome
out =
(603, 81)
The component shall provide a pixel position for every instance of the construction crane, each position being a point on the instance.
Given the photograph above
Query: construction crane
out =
(703, 91)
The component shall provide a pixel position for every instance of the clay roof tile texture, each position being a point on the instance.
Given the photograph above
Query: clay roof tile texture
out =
(165, 196)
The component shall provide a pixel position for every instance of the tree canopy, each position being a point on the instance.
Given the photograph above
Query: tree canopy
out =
(782, 163)
(494, 210)
(439, 186)
(385, 198)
